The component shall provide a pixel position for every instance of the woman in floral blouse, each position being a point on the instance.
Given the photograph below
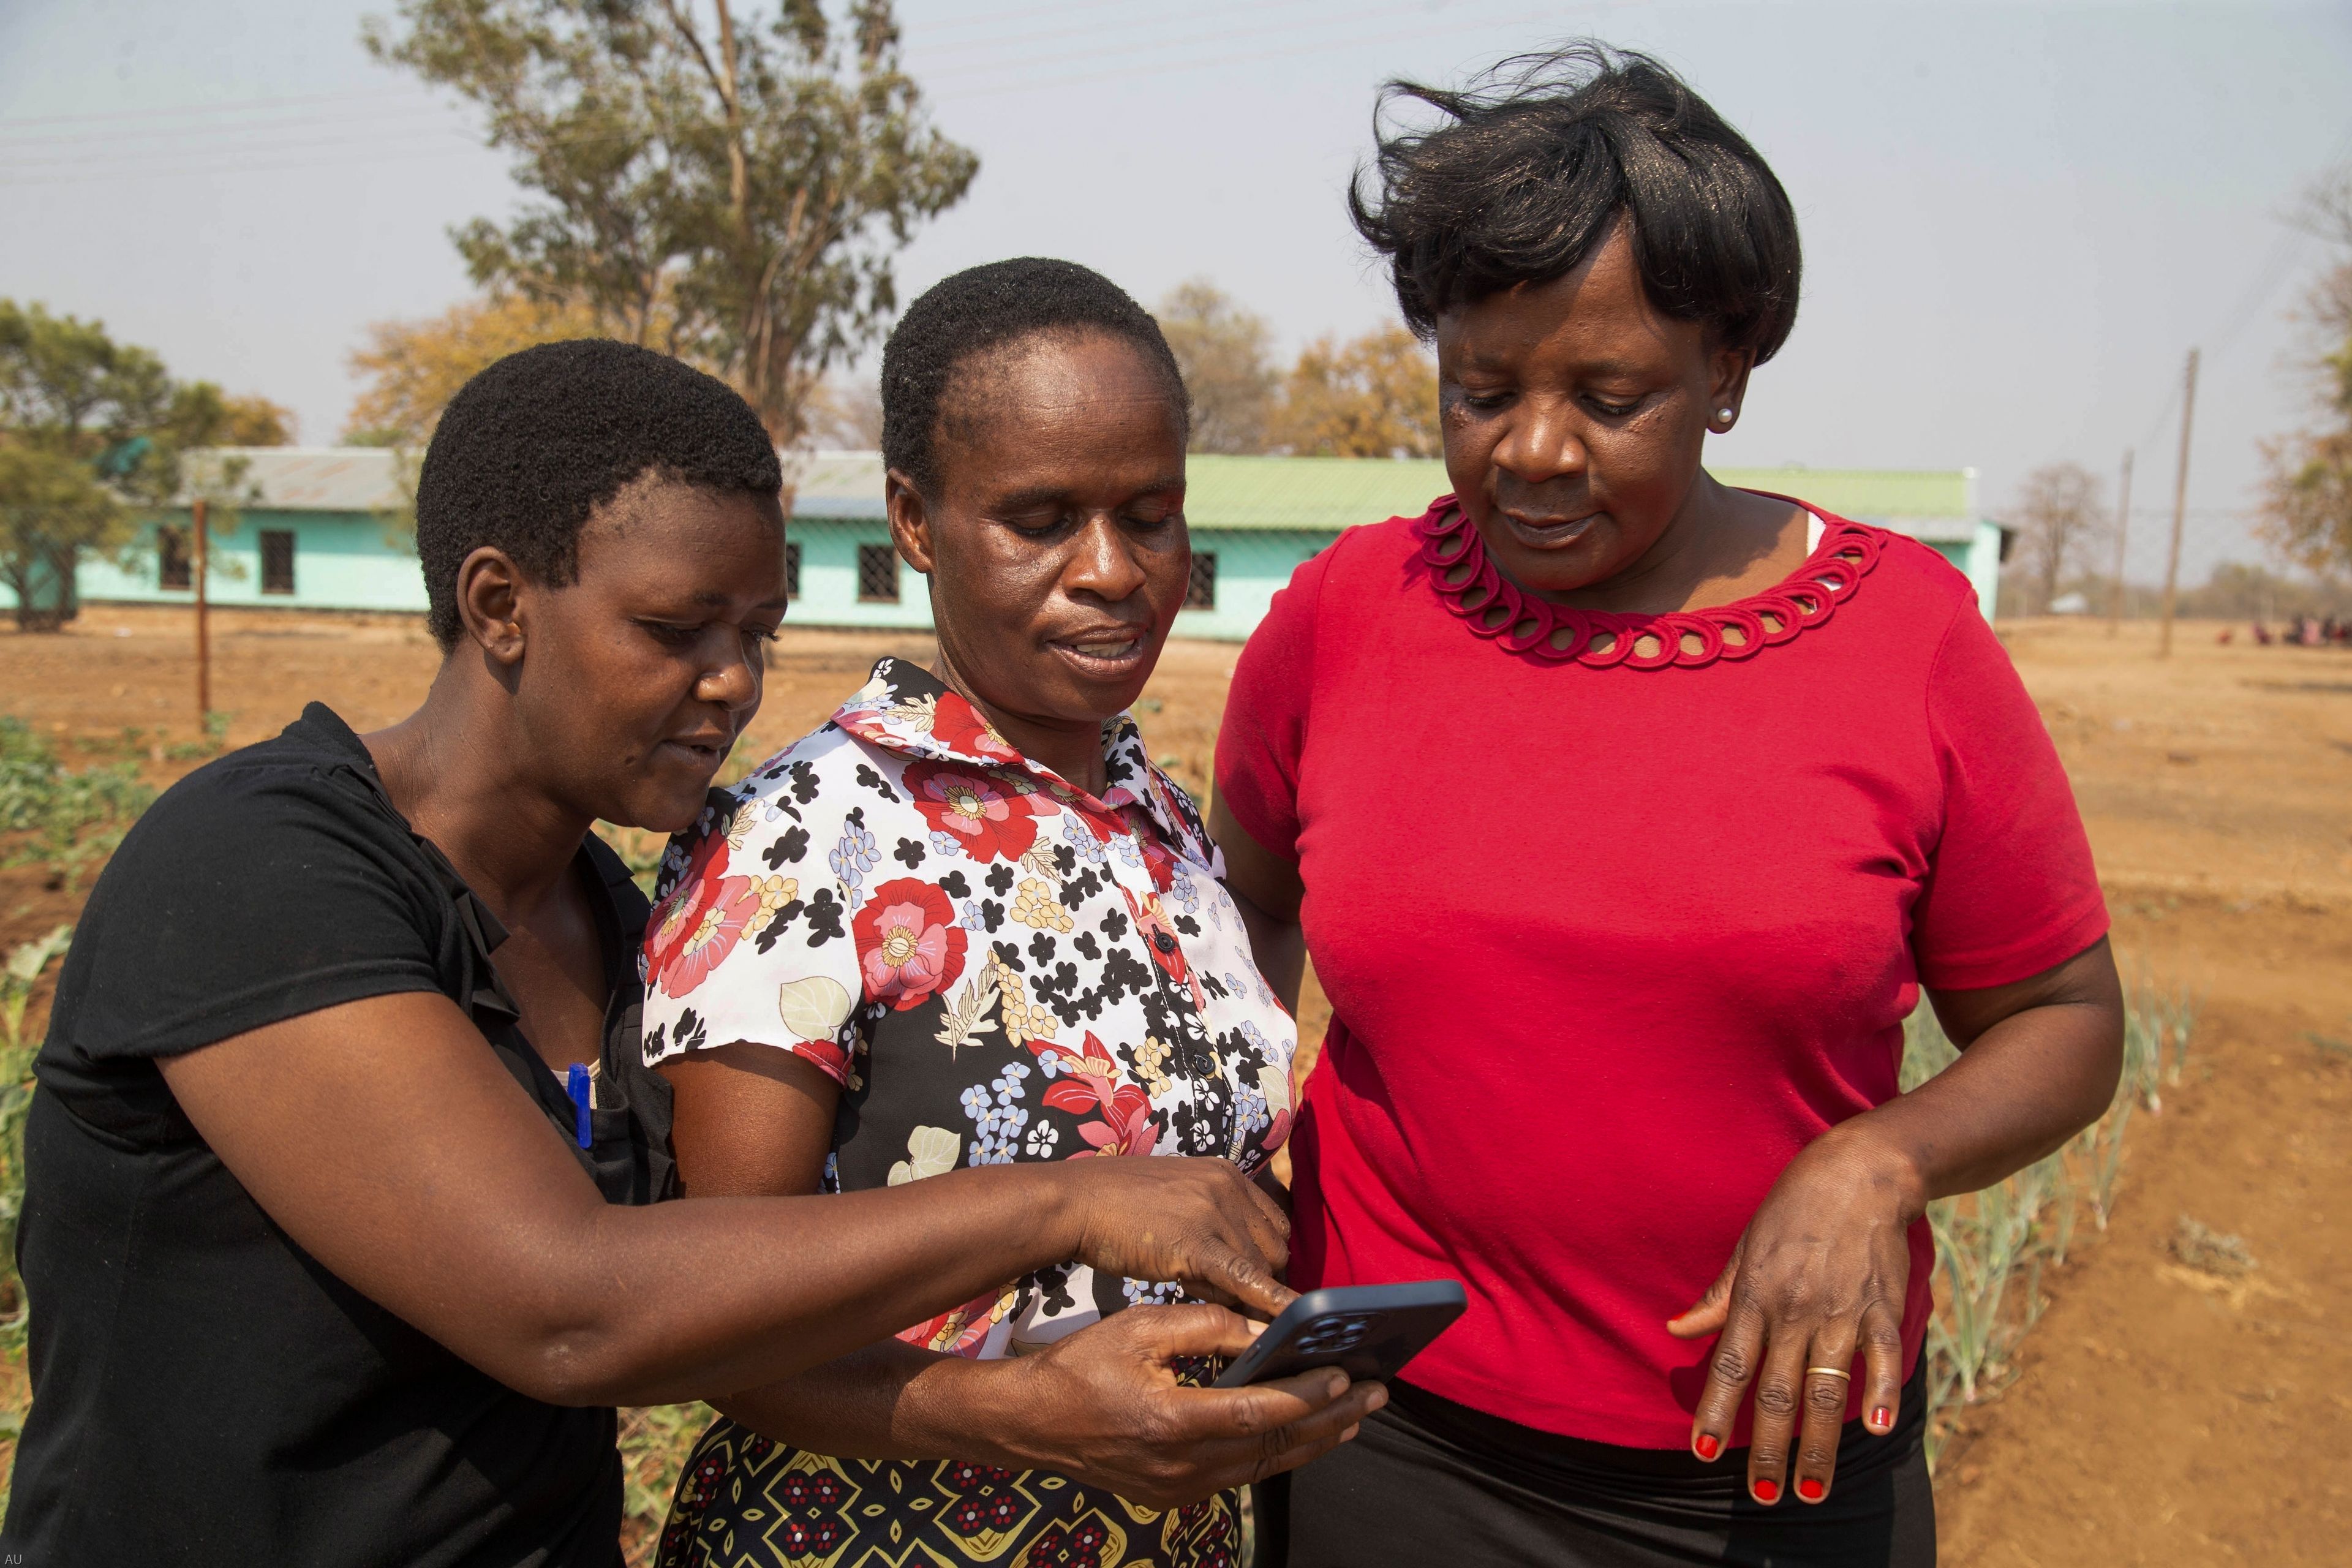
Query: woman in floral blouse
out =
(966, 922)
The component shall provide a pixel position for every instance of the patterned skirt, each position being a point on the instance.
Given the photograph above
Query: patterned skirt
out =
(748, 1501)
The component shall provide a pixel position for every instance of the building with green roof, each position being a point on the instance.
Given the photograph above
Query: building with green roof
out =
(321, 531)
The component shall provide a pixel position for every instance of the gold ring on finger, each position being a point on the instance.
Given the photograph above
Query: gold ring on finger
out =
(1829, 1371)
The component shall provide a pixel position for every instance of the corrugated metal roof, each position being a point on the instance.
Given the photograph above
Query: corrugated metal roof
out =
(1872, 493)
(314, 478)
(835, 484)
(1309, 493)
(1319, 495)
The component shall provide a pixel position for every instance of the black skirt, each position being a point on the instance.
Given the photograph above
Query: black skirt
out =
(1428, 1480)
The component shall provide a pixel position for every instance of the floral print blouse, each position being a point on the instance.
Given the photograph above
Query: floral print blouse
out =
(993, 964)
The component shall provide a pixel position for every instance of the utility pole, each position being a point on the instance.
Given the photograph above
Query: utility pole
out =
(2123, 531)
(202, 552)
(2179, 508)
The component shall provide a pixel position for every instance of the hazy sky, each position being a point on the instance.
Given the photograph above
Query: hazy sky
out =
(2017, 218)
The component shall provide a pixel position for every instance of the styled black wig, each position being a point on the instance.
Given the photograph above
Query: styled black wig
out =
(985, 307)
(1533, 163)
(533, 444)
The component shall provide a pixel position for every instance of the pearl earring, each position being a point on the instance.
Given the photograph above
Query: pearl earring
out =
(1723, 414)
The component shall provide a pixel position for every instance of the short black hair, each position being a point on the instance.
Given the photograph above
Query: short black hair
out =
(533, 444)
(1534, 160)
(986, 307)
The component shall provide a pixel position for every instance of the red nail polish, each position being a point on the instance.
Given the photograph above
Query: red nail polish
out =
(1811, 1490)
(1882, 1417)
(1707, 1445)
(1767, 1492)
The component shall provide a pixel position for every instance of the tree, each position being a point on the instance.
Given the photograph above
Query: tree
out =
(95, 434)
(727, 189)
(1223, 351)
(254, 421)
(2307, 505)
(1373, 398)
(845, 414)
(2061, 519)
(411, 369)
(52, 509)
(67, 388)
(2236, 592)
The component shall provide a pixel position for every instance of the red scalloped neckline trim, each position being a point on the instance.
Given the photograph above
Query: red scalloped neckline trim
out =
(1495, 607)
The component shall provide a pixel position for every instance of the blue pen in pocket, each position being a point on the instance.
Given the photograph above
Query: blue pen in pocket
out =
(583, 1089)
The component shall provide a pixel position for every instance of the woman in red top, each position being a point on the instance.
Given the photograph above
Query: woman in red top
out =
(1626, 816)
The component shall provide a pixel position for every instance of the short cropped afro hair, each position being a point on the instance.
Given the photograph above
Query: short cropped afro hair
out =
(532, 446)
(1530, 165)
(986, 307)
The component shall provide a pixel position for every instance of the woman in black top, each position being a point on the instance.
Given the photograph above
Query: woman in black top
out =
(328, 1263)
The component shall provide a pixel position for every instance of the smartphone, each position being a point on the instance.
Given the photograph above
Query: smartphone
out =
(1367, 1331)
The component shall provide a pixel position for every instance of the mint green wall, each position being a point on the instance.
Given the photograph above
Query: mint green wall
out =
(342, 561)
(1979, 560)
(828, 595)
(1250, 566)
(347, 560)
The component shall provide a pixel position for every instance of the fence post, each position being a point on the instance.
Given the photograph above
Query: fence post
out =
(2180, 507)
(202, 552)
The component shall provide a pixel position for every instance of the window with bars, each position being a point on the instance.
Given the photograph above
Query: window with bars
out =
(792, 571)
(877, 574)
(277, 561)
(173, 566)
(1200, 589)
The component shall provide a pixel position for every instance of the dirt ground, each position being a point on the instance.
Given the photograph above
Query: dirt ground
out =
(2160, 1418)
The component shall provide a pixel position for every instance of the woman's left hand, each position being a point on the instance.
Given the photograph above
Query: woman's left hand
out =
(1816, 1280)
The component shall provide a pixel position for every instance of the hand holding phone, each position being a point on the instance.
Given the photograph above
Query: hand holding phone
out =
(1366, 1331)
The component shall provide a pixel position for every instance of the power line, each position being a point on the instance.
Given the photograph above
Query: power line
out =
(969, 20)
(138, 124)
(219, 171)
(239, 158)
(257, 140)
(224, 106)
(2273, 271)
(131, 146)
(177, 134)
(1061, 8)
(994, 53)
(1257, 55)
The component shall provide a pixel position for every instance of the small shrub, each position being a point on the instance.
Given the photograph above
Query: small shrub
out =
(655, 1442)
(1992, 1246)
(18, 978)
(66, 819)
(2210, 1252)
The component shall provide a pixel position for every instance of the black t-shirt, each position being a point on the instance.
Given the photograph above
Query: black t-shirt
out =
(204, 1391)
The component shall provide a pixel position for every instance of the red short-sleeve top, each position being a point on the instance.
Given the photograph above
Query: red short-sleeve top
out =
(1614, 925)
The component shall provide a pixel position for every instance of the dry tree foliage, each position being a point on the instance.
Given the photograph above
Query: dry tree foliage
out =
(411, 369)
(726, 181)
(1375, 396)
(2061, 519)
(2307, 508)
(1225, 351)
